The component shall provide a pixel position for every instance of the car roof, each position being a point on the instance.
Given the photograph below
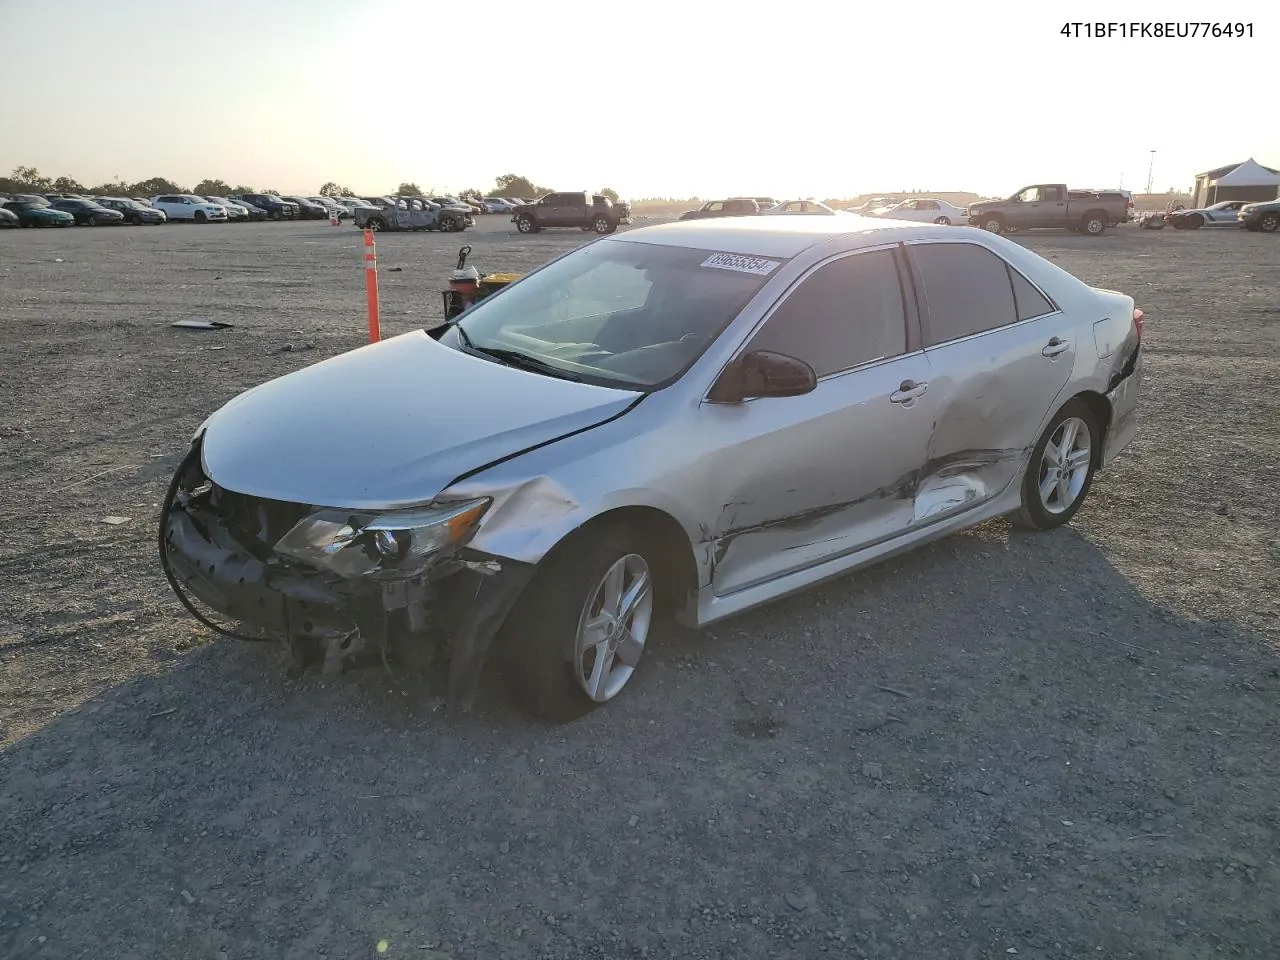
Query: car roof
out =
(768, 237)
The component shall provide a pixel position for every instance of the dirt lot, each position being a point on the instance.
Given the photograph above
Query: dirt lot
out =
(1061, 745)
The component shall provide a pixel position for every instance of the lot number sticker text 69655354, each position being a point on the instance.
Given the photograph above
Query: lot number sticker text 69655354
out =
(733, 261)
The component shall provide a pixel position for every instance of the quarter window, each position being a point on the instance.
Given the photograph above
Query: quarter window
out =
(966, 287)
(846, 313)
(1030, 301)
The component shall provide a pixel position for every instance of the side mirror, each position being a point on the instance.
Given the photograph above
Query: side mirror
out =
(762, 373)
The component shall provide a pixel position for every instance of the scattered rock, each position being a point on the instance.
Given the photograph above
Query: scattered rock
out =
(633, 821)
(295, 347)
(873, 770)
(795, 901)
(504, 847)
(186, 895)
(974, 881)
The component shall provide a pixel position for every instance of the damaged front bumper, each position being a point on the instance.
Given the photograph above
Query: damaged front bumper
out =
(218, 546)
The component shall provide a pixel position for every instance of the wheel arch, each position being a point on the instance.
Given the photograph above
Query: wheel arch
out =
(661, 532)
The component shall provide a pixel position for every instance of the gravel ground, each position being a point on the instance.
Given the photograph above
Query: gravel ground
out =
(1061, 745)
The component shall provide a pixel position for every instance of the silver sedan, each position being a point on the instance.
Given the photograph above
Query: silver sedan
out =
(683, 421)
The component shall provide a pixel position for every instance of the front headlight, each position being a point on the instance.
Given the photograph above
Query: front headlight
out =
(391, 545)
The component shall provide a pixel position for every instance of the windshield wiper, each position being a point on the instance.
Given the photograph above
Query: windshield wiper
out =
(514, 358)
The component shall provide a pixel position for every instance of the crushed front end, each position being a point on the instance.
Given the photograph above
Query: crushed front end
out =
(335, 586)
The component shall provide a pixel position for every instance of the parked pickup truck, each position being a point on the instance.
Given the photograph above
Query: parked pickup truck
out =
(1051, 205)
(409, 213)
(582, 210)
(733, 207)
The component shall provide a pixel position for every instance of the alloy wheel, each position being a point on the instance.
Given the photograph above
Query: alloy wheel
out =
(613, 628)
(1065, 465)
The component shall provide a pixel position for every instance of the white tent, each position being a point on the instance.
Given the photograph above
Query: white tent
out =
(1248, 174)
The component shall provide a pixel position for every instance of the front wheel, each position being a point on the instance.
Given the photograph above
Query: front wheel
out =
(375, 225)
(943, 221)
(448, 225)
(1061, 468)
(993, 224)
(577, 634)
(200, 217)
(526, 225)
(1269, 222)
(602, 225)
(1194, 222)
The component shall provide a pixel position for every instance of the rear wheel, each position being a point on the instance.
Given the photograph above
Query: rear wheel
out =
(1061, 468)
(1093, 224)
(1269, 222)
(577, 634)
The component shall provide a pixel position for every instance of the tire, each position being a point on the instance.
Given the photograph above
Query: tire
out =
(135, 220)
(448, 225)
(1093, 224)
(552, 663)
(1269, 222)
(994, 223)
(200, 217)
(376, 224)
(602, 225)
(526, 224)
(586, 228)
(1041, 512)
(1194, 222)
(943, 221)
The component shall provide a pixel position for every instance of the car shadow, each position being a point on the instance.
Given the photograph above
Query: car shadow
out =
(993, 742)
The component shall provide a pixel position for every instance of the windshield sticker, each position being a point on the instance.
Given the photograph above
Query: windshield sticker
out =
(732, 261)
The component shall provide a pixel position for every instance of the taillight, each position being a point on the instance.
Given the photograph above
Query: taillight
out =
(1138, 317)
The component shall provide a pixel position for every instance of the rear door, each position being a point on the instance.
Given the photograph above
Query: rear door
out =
(1000, 355)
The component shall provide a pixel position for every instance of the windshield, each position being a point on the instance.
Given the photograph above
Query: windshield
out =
(619, 313)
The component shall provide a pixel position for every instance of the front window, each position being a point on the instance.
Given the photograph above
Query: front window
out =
(617, 313)
(1030, 195)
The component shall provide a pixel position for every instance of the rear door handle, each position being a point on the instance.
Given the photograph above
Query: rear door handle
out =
(907, 391)
(1055, 347)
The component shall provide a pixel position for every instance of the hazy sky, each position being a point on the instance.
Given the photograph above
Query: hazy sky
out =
(653, 98)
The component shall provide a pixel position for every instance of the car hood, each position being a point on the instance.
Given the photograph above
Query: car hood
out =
(391, 424)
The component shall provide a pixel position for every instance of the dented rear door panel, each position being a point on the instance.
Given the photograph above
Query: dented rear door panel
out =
(993, 392)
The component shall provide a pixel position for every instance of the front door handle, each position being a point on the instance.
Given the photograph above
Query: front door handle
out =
(1056, 346)
(907, 391)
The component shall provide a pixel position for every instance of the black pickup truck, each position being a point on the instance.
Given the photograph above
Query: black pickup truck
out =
(733, 207)
(584, 210)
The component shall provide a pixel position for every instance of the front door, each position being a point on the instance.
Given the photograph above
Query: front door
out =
(809, 478)
(1000, 354)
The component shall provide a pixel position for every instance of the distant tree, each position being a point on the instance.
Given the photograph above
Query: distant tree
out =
(241, 188)
(409, 190)
(268, 192)
(611, 193)
(332, 189)
(114, 188)
(30, 180)
(67, 185)
(512, 185)
(471, 192)
(211, 188)
(154, 186)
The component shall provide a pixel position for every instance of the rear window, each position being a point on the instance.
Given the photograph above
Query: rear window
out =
(966, 288)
